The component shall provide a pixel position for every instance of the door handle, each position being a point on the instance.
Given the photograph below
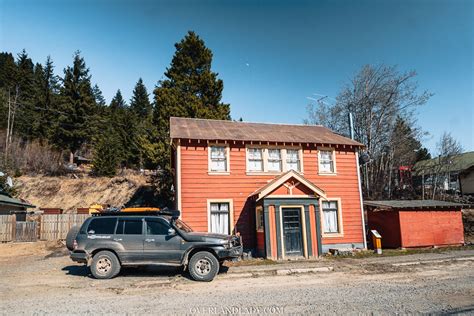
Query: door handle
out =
(117, 239)
(149, 239)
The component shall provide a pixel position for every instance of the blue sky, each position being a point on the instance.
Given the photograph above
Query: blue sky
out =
(271, 55)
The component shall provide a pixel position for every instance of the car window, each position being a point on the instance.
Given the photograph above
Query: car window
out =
(102, 226)
(129, 226)
(156, 227)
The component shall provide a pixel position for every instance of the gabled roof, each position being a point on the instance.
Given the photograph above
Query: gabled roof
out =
(459, 162)
(203, 129)
(282, 179)
(7, 200)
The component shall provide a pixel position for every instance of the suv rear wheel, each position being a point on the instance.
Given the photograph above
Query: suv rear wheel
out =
(203, 266)
(105, 265)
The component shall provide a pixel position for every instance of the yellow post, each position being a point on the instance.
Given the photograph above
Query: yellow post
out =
(377, 241)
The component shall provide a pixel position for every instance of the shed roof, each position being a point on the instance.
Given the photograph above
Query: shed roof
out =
(457, 163)
(413, 204)
(204, 129)
(7, 200)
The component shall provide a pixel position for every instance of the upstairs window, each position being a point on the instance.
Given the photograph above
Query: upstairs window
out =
(326, 161)
(255, 159)
(274, 160)
(293, 160)
(218, 160)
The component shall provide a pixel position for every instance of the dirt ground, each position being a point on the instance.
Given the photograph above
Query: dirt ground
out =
(39, 278)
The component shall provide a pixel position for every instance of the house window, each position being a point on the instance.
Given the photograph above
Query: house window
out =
(259, 219)
(255, 159)
(326, 161)
(274, 160)
(218, 159)
(293, 159)
(330, 216)
(219, 222)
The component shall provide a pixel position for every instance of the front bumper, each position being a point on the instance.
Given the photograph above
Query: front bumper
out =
(234, 252)
(81, 257)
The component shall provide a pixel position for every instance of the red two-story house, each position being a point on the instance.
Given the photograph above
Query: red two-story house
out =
(289, 190)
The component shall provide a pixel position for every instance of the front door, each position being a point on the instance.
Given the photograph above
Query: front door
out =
(292, 231)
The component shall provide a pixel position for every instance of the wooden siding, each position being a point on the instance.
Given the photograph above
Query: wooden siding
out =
(197, 186)
(431, 228)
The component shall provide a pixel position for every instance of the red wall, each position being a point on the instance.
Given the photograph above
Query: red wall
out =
(197, 186)
(430, 228)
(388, 226)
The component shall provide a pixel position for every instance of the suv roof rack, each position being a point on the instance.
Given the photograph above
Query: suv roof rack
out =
(173, 213)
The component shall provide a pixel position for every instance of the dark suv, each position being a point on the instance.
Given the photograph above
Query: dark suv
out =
(109, 240)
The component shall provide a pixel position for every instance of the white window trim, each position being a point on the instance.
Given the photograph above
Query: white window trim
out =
(339, 218)
(333, 150)
(265, 159)
(231, 213)
(257, 210)
(227, 150)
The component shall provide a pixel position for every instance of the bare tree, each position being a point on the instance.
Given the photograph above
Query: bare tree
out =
(377, 96)
(447, 148)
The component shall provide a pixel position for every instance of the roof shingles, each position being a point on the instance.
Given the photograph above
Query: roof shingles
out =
(203, 129)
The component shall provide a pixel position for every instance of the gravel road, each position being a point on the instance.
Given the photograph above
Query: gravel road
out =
(33, 284)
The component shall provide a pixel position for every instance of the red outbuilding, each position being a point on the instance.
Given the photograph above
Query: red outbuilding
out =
(416, 223)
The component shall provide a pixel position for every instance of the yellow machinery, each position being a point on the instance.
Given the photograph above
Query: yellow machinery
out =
(97, 208)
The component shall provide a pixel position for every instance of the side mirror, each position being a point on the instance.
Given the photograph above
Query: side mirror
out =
(171, 232)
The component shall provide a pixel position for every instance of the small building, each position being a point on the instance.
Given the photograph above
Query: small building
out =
(288, 190)
(416, 223)
(455, 174)
(10, 206)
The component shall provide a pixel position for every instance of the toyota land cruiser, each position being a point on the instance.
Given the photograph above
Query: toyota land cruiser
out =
(108, 240)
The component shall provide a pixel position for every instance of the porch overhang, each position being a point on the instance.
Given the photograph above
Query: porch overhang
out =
(282, 180)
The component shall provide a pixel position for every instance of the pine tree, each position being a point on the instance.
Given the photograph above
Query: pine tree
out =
(142, 115)
(24, 92)
(124, 123)
(106, 160)
(45, 100)
(98, 96)
(140, 103)
(77, 108)
(190, 90)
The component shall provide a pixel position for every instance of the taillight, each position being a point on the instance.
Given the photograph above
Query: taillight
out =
(74, 244)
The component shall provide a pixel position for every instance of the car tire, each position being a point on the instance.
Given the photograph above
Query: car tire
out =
(71, 236)
(105, 265)
(203, 266)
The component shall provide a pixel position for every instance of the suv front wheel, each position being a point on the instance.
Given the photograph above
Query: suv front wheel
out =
(105, 265)
(203, 266)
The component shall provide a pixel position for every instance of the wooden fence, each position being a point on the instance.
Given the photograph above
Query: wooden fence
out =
(26, 231)
(6, 227)
(56, 226)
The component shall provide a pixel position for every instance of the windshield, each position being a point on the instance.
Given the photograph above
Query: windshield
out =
(182, 226)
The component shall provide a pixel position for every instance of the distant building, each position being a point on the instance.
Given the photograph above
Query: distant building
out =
(9, 206)
(456, 175)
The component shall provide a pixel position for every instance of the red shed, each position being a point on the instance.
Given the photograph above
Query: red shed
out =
(416, 223)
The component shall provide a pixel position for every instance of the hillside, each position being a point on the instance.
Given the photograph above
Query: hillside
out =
(70, 193)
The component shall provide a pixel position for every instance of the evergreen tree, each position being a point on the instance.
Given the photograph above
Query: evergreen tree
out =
(106, 160)
(140, 103)
(190, 89)
(77, 108)
(142, 114)
(45, 101)
(23, 92)
(98, 96)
